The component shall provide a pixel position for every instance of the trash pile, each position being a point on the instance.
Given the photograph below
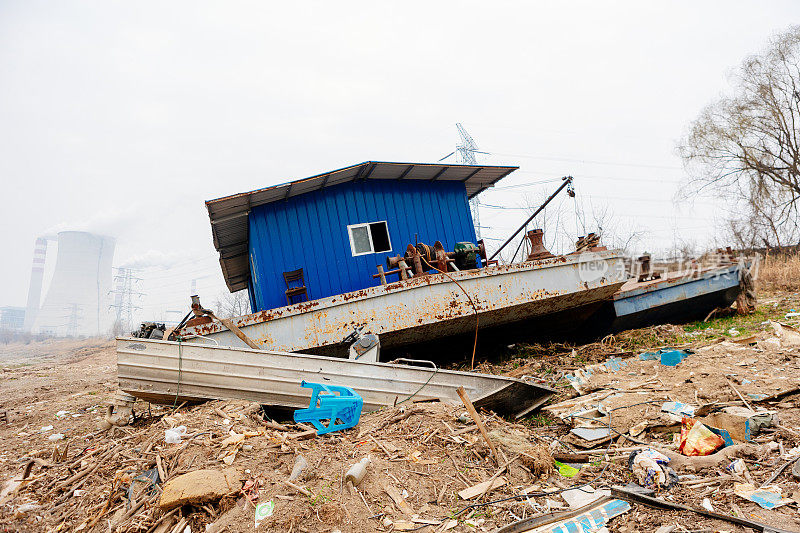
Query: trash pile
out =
(700, 437)
(712, 427)
(221, 466)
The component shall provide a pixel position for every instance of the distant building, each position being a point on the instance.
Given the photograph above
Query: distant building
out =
(339, 225)
(12, 318)
(77, 303)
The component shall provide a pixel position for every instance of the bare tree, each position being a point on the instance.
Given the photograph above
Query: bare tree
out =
(745, 146)
(229, 305)
(613, 233)
(559, 240)
(759, 227)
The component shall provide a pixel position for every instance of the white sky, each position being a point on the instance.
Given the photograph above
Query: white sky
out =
(123, 118)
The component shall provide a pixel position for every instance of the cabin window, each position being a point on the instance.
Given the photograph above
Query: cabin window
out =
(369, 238)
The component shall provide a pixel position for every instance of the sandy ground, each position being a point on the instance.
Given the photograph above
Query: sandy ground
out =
(67, 384)
(40, 379)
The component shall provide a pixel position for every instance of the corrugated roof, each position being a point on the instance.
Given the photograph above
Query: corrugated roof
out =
(229, 226)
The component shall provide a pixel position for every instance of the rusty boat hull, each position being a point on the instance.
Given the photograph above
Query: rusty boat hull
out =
(168, 372)
(676, 297)
(434, 307)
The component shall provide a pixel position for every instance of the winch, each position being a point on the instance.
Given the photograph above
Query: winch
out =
(363, 346)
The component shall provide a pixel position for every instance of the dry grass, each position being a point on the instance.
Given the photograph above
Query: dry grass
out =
(780, 271)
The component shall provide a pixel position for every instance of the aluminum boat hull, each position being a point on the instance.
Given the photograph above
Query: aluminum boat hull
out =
(166, 372)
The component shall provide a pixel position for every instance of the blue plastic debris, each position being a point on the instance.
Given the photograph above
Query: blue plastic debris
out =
(668, 357)
(588, 521)
(767, 497)
(678, 408)
(615, 363)
(340, 406)
(581, 377)
(723, 433)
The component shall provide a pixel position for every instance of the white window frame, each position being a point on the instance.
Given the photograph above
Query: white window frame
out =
(369, 235)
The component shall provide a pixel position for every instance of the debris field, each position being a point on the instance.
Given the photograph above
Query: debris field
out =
(223, 466)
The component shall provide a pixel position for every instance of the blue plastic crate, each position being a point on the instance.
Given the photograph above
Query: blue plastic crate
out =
(340, 406)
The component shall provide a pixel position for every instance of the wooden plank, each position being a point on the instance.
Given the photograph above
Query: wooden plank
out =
(481, 488)
(478, 422)
(398, 500)
(310, 434)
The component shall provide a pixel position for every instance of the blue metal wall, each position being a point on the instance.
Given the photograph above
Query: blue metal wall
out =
(309, 231)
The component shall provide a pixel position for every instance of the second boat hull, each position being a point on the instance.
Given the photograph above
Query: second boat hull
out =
(172, 372)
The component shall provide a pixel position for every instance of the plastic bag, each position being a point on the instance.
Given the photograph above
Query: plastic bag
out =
(173, 435)
(697, 439)
(651, 469)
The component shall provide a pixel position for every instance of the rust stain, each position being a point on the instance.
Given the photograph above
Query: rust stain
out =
(498, 302)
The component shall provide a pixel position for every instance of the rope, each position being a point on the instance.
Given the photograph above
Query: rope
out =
(435, 370)
(180, 371)
(474, 308)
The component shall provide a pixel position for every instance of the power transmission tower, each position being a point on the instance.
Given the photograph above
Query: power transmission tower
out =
(124, 296)
(73, 318)
(466, 156)
(466, 151)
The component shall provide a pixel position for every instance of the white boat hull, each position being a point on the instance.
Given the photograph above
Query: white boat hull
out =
(169, 372)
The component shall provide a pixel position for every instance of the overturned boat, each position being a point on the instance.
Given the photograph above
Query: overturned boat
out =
(161, 371)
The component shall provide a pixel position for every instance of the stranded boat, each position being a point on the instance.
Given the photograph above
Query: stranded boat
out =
(346, 250)
(674, 296)
(167, 372)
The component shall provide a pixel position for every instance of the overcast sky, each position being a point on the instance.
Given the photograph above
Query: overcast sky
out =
(123, 117)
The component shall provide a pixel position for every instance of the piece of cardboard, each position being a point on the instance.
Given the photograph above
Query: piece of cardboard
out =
(738, 427)
(480, 488)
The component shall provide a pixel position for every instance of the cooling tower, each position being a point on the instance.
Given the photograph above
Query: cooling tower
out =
(77, 302)
(35, 286)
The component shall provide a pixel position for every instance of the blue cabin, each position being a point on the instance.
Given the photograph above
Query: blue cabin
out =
(325, 235)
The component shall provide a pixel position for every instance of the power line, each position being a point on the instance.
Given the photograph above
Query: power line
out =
(585, 161)
(178, 272)
(594, 176)
(521, 185)
(582, 133)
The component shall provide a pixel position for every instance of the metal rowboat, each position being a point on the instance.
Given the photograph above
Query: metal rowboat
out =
(167, 371)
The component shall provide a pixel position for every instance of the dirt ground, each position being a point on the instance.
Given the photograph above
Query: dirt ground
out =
(422, 455)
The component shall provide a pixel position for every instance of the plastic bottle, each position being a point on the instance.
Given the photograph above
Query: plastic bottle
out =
(357, 471)
(299, 464)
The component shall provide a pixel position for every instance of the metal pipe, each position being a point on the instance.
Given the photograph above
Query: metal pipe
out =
(567, 181)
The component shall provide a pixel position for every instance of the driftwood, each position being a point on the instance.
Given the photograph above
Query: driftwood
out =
(298, 488)
(398, 500)
(490, 483)
(725, 455)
